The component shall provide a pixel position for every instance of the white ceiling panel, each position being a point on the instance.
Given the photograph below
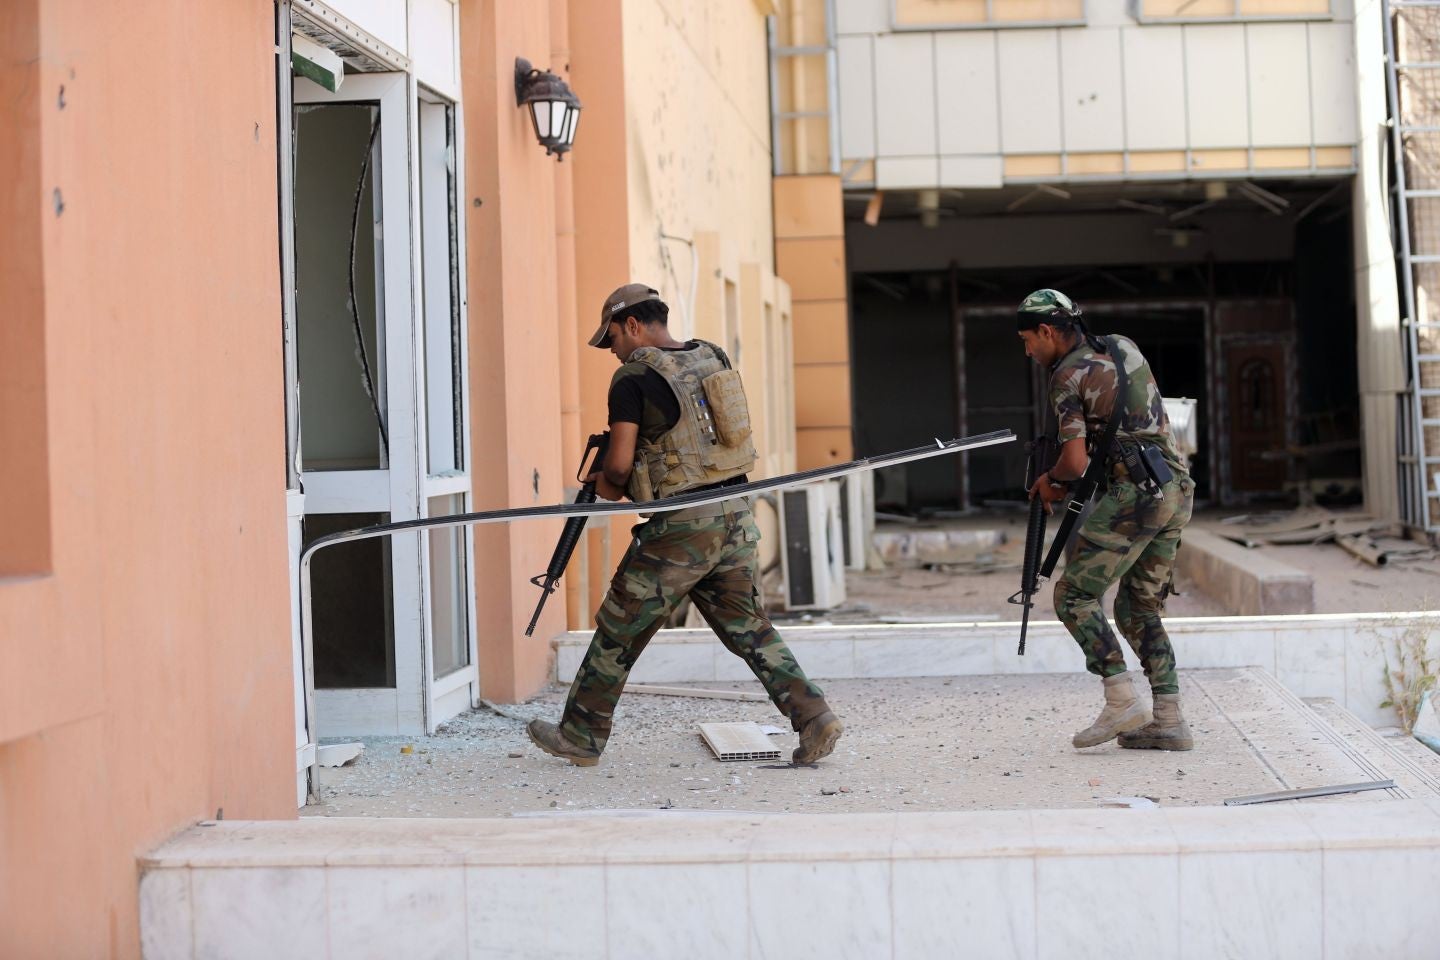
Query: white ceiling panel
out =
(965, 83)
(1154, 68)
(1278, 61)
(905, 95)
(1332, 83)
(1215, 86)
(856, 78)
(1029, 91)
(1091, 89)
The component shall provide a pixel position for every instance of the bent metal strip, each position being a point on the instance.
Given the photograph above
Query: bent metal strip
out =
(681, 501)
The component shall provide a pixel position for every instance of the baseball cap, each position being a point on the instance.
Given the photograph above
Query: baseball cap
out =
(626, 296)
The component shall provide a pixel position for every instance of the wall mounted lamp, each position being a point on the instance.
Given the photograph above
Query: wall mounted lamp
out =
(554, 108)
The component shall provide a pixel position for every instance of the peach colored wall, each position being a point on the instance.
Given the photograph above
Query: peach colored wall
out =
(146, 678)
(602, 256)
(810, 255)
(515, 354)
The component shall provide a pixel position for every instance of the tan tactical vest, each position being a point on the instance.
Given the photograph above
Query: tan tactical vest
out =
(711, 440)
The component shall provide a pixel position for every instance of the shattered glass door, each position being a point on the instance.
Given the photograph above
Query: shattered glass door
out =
(357, 366)
(341, 352)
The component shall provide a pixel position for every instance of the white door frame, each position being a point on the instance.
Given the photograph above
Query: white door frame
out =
(394, 490)
(459, 690)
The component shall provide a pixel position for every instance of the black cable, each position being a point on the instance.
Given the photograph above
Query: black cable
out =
(354, 305)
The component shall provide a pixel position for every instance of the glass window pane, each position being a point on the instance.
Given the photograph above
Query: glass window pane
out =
(352, 600)
(450, 633)
(339, 321)
(440, 275)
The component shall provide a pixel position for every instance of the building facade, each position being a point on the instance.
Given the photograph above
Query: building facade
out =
(284, 269)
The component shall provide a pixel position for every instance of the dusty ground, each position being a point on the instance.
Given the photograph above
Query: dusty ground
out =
(961, 743)
(1343, 583)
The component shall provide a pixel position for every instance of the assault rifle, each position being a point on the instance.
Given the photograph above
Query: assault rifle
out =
(570, 536)
(1043, 451)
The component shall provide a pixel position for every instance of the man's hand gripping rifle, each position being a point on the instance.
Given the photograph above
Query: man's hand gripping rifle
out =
(570, 536)
(1043, 452)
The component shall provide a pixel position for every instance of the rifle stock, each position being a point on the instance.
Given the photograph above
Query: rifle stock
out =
(570, 536)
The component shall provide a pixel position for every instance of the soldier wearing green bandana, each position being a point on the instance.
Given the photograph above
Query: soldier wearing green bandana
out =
(678, 424)
(1131, 536)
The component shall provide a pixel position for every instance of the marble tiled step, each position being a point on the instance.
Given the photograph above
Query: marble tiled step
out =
(1292, 742)
(1317, 655)
(1292, 880)
(1411, 764)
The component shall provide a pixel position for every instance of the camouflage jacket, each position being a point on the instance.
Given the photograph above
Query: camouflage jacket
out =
(1082, 394)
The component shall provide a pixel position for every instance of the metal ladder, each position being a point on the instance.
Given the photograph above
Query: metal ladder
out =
(792, 103)
(1412, 74)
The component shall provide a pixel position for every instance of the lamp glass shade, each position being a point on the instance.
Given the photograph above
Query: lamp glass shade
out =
(559, 109)
(572, 120)
(540, 113)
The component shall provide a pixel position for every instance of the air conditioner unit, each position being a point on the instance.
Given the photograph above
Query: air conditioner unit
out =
(812, 560)
(857, 516)
(1184, 427)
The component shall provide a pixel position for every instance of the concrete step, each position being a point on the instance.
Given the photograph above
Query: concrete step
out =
(1416, 772)
(1247, 582)
(1295, 744)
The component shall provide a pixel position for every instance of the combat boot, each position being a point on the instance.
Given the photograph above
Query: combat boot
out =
(1123, 711)
(1168, 731)
(817, 738)
(547, 737)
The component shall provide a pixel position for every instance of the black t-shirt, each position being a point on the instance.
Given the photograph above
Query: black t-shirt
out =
(641, 396)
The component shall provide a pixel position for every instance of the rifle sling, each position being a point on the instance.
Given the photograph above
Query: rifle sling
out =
(1085, 486)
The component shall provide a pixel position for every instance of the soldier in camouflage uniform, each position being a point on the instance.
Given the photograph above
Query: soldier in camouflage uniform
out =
(678, 424)
(1130, 537)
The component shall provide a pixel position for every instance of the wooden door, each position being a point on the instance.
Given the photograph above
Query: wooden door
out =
(1256, 380)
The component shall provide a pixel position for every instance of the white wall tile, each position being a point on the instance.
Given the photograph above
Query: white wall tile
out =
(976, 172)
(676, 911)
(965, 81)
(165, 915)
(1140, 895)
(675, 663)
(905, 95)
(1332, 82)
(414, 912)
(1311, 663)
(855, 75)
(1215, 86)
(1154, 67)
(432, 41)
(384, 18)
(845, 909)
(898, 173)
(1029, 91)
(270, 912)
(1278, 64)
(862, 16)
(1370, 908)
(516, 913)
(1091, 89)
(1259, 905)
(965, 907)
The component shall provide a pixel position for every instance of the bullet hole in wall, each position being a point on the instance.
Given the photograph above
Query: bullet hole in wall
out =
(59, 202)
(60, 100)
(535, 481)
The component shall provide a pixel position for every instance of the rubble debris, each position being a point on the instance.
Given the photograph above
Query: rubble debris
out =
(700, 692)
(738, 741)
(1310, 792)
(1307, 525)
(1379, 552)
(504, 711)
(338, 754)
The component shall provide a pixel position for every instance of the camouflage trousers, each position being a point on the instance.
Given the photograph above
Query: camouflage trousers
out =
(712, 560)
(1130, 538)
